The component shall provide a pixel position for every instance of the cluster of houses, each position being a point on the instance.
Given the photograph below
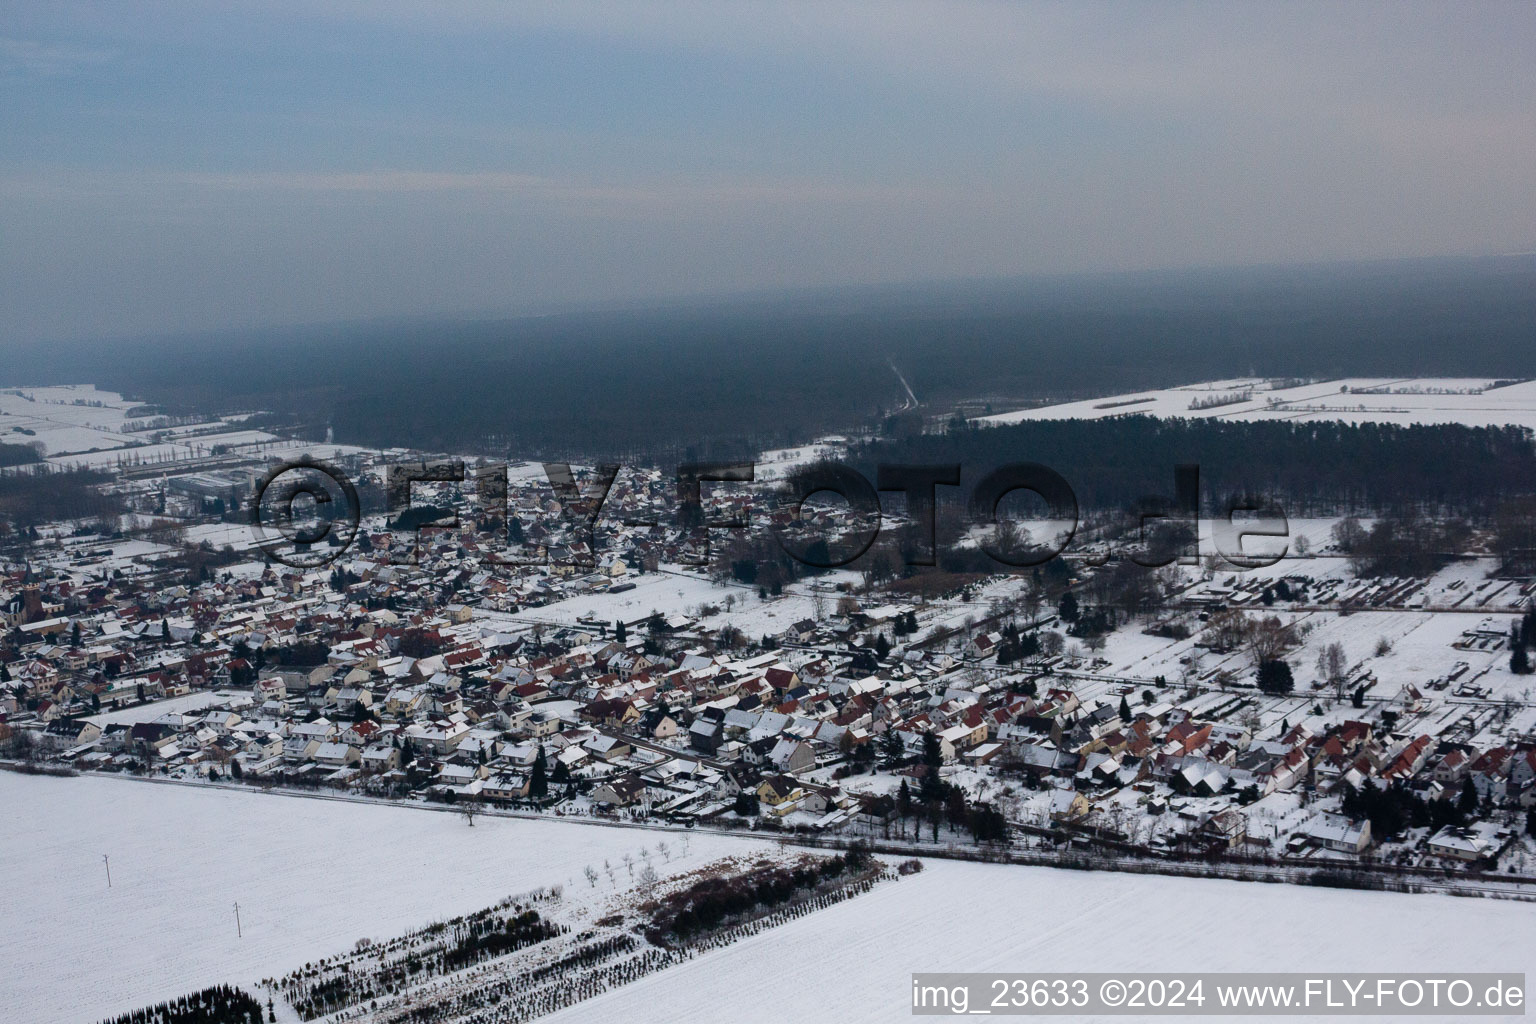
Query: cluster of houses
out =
(1165, 755)
(410, 677)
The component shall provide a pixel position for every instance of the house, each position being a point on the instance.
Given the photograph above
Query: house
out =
(319, 729)
(381, 757)
(336, 755)
(542, 723)
(1337, 832)
(963, 735)
(982, 753)
(442, 736)
(1522, 772)
(88, 732)
(1490, 772)
(659, 724)
(706, 734)
(608, 748)
(222, 721)
(1407, 761)
(1068, 805)
(801, 632)
(506, 786)
(272, 687)
(452, 774)
(1465, 844)
(619, 792)
(1186, 738)
(403, 701)
(299, 748)
(1038, 760)
(792, 756)
(360, 734)
(780, 791)
(782, 679)
(820, 799)
(350, 698)
(984, 644)
(1226, 828)
(532, 691)
(614, 712)
(1199, 777)
(150, 739)
(1451, 768)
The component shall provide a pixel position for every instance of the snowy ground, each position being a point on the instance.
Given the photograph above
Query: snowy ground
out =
(311, 877)
(181, 857)
(853, 962)
(1355, 400)
(776, 464)
(186, 704)
(680, 593)
(96, 433)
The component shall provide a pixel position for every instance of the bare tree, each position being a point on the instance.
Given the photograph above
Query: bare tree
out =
(1333, 668)
(1191, 666)
(1267, 639)
(663, 849)
(468, 811)
(1029, 601)
(648, 880)
(1348, 534)
(1227, 629)
(591, 874)
(23, 745)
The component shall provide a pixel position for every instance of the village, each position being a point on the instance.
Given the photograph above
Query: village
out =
(631, 675)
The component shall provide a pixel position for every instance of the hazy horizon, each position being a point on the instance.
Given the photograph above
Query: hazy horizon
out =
(173, 170)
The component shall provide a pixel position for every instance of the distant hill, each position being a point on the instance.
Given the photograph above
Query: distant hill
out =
(734, 376)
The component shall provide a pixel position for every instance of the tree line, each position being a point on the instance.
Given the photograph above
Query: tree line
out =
(1324, 468)
(222, 1004)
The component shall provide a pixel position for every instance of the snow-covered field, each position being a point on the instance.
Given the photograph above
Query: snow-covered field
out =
(311, 877)
(1357, 400)
(188, 704)
(677, 593)
(95, 434)
(780, 462)
(854, 961)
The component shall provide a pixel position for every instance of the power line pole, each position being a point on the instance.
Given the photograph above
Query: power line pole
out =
(109, 869)
(238, 933)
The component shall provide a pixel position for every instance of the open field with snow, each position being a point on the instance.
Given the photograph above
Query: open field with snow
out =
(78, 426)
(311, 877)
(971, 917)
(185, 705)
(1473, 401)
(676, 593)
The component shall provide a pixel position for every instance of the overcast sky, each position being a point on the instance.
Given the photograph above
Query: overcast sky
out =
(175, 166)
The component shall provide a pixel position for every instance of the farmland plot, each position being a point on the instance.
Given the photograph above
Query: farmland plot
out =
(311, 876)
